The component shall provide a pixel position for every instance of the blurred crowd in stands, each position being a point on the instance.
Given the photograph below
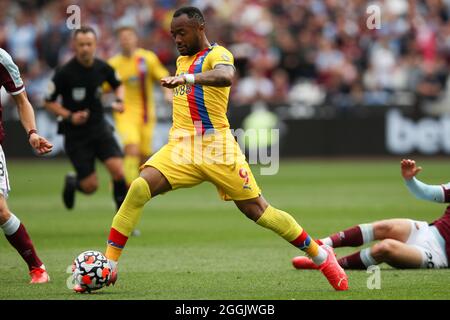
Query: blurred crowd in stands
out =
(304, 53)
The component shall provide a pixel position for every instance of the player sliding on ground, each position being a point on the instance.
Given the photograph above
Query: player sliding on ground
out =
(404, 243)
(200, 96)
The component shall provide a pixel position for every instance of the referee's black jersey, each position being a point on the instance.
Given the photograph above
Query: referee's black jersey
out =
(81, 88)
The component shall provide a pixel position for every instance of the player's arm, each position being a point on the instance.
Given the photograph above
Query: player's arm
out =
(221, 76)
(52, 105)
(113, 79)
(58, 109)
(26, 113)
(435, 193)
(118, 105)
(76, 118)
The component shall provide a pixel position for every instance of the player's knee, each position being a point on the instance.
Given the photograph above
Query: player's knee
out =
(132, 150)
(89, 187)
(139, 192)
(382, 228)
(119, 175)
(250, 212)
(4, 212)
(384, 248)
(252, 209)
(117, 172)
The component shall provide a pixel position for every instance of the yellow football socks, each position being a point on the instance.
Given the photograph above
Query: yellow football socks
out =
(127, 217)
(285, 225)
(131, 168)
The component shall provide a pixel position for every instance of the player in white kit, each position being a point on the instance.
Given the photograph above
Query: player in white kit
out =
(14, 230)
(403, 243)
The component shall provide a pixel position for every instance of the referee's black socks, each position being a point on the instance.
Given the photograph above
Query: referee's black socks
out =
(120, 191)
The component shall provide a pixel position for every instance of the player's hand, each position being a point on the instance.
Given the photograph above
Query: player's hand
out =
(118, 106)
(80, 117)
(409, 169)
(173, 82)
(40, 144)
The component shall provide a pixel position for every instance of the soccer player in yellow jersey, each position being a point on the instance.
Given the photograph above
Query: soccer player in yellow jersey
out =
(201, 88)
(138, 70)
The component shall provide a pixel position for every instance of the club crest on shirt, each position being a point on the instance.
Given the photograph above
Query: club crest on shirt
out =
(142, 66)
(199, 61)
(78, 94)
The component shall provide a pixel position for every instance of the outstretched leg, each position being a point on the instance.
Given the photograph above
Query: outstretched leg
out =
(284, 224)
(393, 252)
(150, 183)
(397, 229)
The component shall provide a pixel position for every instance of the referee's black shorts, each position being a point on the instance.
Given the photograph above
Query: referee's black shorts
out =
(83, 150)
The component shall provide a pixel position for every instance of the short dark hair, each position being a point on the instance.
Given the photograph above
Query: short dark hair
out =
(84, 29)
(191, 12)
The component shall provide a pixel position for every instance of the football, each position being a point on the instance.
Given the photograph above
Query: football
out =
(91, 270)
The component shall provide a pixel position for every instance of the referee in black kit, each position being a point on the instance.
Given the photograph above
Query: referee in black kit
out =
(87, 134)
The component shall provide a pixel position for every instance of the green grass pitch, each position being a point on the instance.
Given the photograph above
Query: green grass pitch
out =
(195, 246)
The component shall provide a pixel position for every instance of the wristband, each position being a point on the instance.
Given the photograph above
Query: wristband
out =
(189, 78)
(118, 100)
(31, 132)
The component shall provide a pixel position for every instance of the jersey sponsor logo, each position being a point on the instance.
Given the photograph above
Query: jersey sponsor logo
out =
(183, 89)
(78, 94)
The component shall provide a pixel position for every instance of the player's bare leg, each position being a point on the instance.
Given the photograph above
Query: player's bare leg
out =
(18, 237)
(87, 185)
(252, 208)
(156, 180)
(397, 229)
(397, 254)
(260, 211)
(391, 232)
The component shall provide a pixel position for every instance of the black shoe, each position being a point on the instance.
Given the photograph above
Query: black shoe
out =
(70, 186)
